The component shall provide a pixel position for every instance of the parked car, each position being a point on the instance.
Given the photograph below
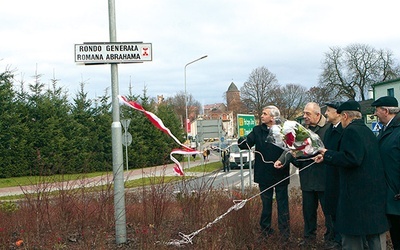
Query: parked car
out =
(234, 157)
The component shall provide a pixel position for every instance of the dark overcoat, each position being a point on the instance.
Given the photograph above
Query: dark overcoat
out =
(313, 177)
(362, 194)
(266, 153)
(331, 195)
(389, 145)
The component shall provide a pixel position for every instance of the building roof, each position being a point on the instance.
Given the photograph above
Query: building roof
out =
(233, 88)
(213, 106)
(386, 82)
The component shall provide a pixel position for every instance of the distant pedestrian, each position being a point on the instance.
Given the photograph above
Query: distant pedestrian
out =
(387, 111)
(206, 153)
(225, 160)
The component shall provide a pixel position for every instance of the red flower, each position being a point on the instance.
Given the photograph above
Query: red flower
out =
(289, 137)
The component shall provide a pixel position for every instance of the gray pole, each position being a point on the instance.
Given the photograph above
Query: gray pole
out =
(220, 136)
(116, 135)
(241, 171)
(126, 149)
(186, 103)
(250, 166)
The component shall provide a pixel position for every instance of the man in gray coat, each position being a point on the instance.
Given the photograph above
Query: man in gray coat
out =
(362, 189)
(312, 179)
(387, 111)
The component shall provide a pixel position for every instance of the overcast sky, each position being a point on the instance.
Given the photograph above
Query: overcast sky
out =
(288, 37)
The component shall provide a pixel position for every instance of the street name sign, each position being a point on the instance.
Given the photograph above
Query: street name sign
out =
(105, 53)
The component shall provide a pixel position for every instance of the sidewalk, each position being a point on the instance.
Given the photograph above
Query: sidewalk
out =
(162, 170)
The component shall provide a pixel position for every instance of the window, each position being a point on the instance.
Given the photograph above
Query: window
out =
(390, 92)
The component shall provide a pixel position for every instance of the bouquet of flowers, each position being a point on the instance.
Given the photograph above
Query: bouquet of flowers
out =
(276, 137)
(302, 142)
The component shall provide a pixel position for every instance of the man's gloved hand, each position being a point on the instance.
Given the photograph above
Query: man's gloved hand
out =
(397, 197)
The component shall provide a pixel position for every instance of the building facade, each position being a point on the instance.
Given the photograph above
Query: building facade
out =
(387, 88)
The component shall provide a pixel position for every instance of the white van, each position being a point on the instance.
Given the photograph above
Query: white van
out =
(234, 157)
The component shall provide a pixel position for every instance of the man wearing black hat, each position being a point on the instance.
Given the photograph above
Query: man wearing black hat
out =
(331, 141)
(362, 190)
(387, 111)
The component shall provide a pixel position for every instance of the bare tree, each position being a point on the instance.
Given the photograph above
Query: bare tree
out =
(290, 99)
(321, 95)
(349, 72)
(257, 92)
(179, 105)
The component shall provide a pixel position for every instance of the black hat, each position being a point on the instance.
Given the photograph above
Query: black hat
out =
(350, 105)
(385, 101)
(333, 104)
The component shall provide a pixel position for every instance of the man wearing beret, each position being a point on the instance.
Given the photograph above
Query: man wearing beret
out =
(331, 141)
(387, 111)
(362, 189)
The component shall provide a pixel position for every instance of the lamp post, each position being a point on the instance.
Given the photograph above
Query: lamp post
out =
(186, 103)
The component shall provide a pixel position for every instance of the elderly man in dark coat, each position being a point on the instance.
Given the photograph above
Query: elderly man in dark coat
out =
(266, 175)
(331, 196)
(387, 111)
(362, 195)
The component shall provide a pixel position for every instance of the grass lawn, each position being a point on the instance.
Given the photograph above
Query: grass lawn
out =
(34, 180)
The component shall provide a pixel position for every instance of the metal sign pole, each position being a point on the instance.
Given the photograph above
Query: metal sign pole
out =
(92, 53)
(116, 135)
(126, 150)
(250, 166)
(241, 172)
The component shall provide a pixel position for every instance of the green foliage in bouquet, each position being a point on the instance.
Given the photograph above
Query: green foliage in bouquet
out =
(302, 133)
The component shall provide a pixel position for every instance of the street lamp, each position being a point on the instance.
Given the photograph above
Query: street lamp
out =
(186, 102)
(186, 97)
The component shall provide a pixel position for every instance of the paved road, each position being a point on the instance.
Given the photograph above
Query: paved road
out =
(218, 178)
(166, 170)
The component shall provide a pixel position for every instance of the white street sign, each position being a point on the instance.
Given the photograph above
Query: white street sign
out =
(100, 53)
(126, 139)
(125, 123)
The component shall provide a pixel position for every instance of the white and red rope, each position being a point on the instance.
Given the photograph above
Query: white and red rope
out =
(158, 123)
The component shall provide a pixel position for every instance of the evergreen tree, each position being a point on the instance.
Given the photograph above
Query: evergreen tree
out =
(50, 128)
(101, 134)
(9, 126)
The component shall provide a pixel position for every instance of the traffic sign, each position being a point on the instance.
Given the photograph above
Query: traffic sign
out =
(102, 53)
(245, 124)
(376, 126)
(126, 139)
(125, 123)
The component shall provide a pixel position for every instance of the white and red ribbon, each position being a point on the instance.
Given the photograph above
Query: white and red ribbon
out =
(157, 122)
